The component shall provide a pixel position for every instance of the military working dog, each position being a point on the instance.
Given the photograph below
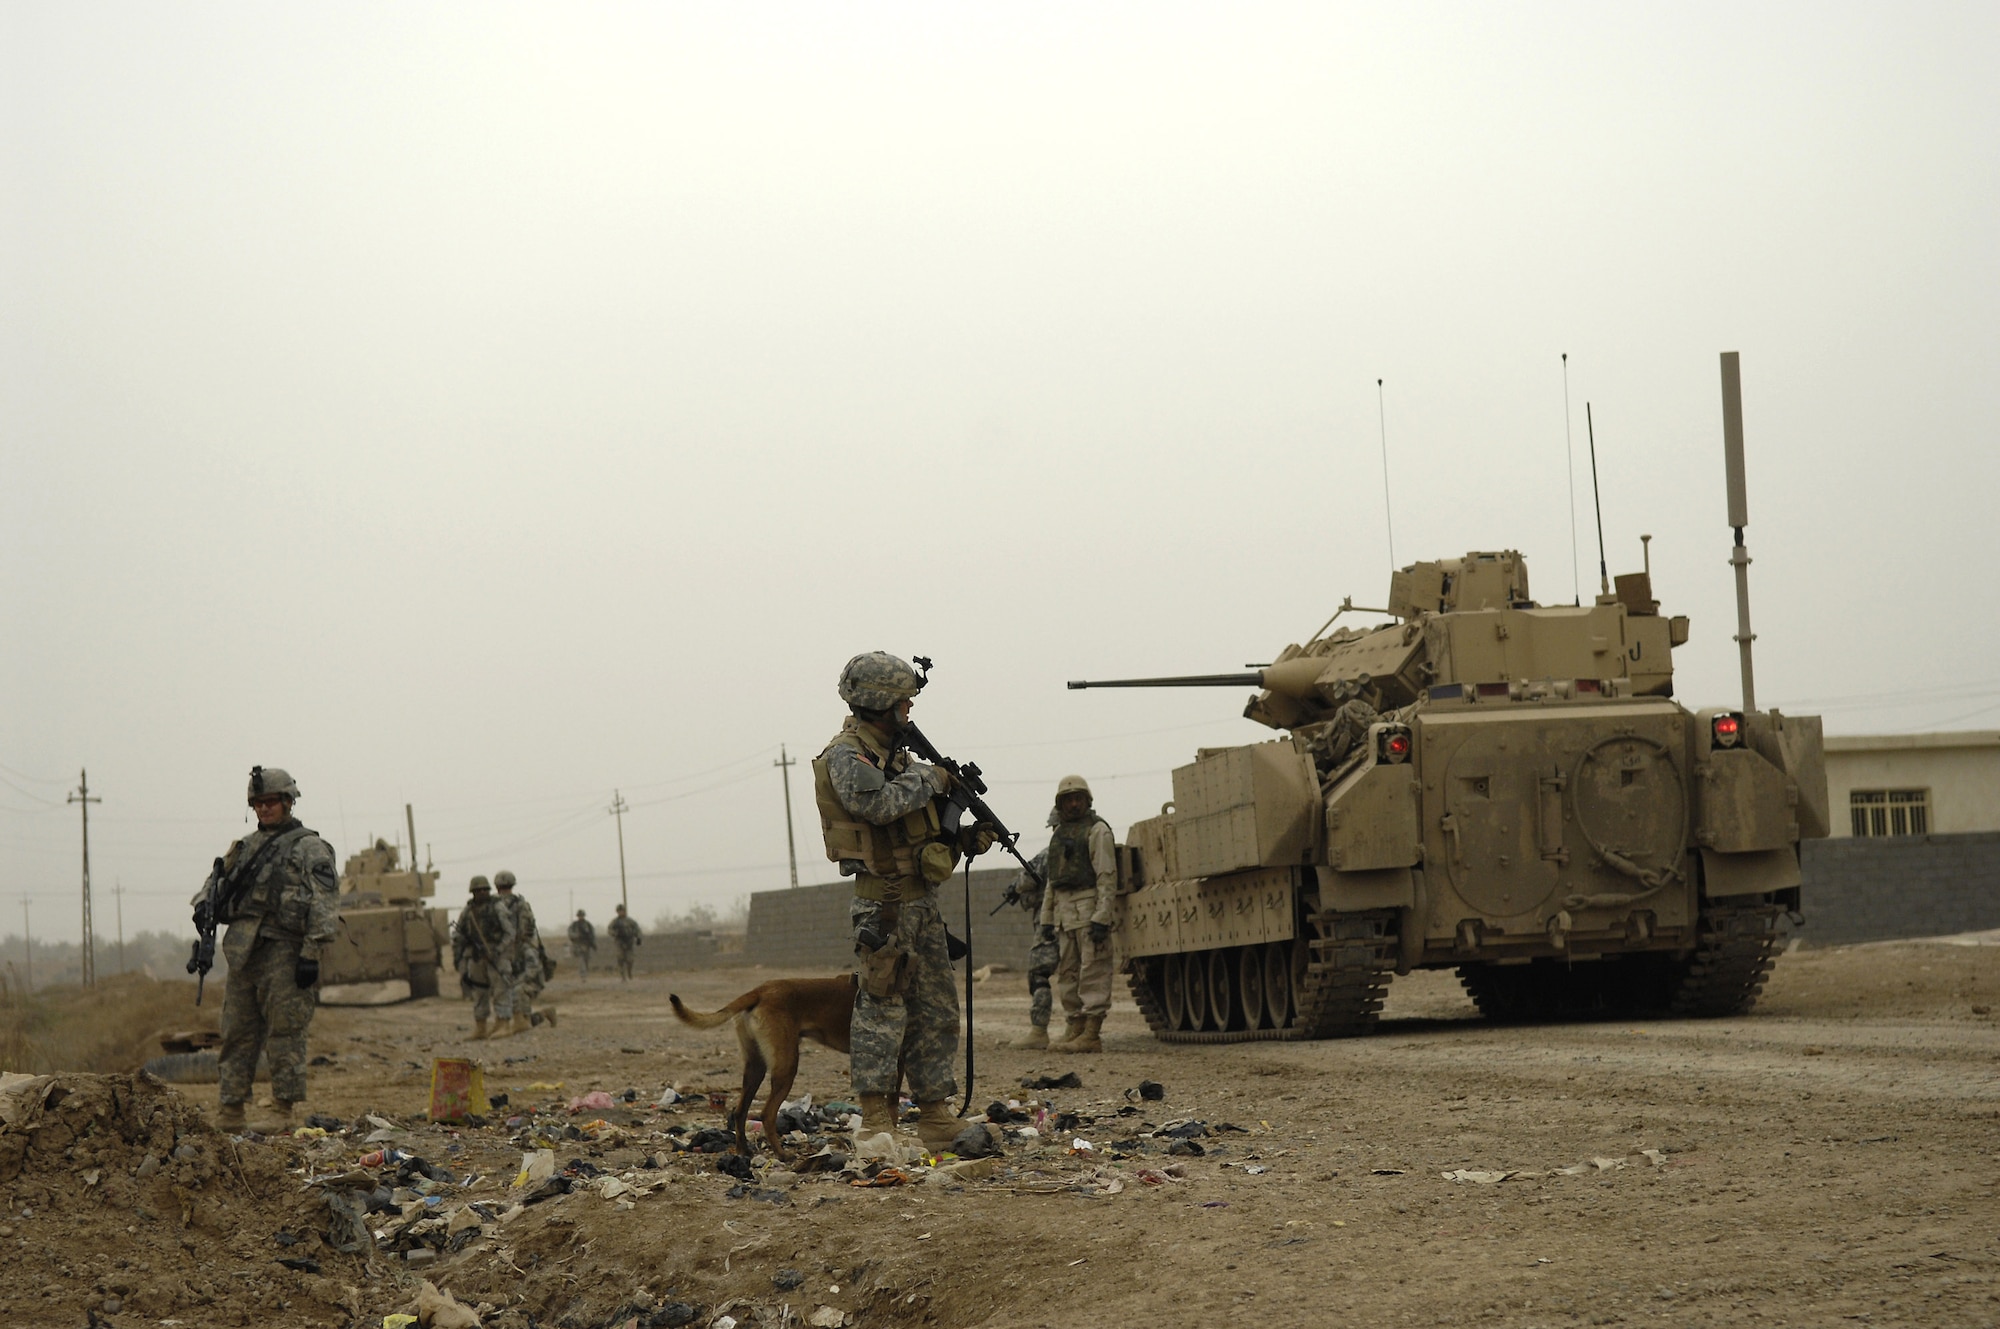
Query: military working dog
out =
(771, 1018)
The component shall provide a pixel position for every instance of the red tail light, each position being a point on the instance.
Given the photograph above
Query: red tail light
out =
(1728, 730)
(1395, 745)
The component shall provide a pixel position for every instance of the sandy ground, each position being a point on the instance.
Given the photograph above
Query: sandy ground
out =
(1830, 1157)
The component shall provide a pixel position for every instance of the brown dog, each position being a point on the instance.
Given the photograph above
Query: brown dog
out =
(771, 1018)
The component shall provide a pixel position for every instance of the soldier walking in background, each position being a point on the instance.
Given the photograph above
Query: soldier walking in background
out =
(879, 812)
(1076, 914)
(277, 891)
(530, 963)
(481, 940)
(582, 945)
(1043, 954)
(625, 932)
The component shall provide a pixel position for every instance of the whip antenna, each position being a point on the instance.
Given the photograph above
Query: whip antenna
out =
(1569, 454)
(1603, 570)
(1388, 520)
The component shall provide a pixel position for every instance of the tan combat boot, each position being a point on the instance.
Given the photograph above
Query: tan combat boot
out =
(1036, 1038)
(877, 1117)
(229, 1117)
(1087, 1040)
(936, 1127)
(522, 1024)
(548, 1013)
(1072, 1026)
(479, 1029)
(276, 1121)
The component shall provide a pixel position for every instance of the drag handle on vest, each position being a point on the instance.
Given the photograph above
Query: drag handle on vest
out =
(203, 958)
(967, 784)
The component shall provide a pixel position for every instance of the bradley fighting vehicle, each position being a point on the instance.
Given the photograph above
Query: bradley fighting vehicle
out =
(387, 931)
(1485, 784)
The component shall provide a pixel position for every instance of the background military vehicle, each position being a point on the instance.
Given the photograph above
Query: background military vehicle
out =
(387, 932)
(1484, 784)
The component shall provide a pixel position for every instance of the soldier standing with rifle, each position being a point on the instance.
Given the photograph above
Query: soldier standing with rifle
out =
(482, 946)
(582, 945)
(1077, 912)
(531, 962)
(625, 933)
(1043, 954)
(887, 824)
(276, 890)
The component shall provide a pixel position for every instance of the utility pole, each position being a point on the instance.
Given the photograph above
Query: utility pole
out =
(784, 764)
(118, 890)
(81, 795)
(27, 944)
(618, 809)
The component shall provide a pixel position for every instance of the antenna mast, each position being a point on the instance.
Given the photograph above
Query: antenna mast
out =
(1739, 512)
(1603, 568)
(1569, 454)
(1388, 518)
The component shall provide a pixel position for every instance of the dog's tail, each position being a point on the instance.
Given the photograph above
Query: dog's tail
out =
(710, 1019)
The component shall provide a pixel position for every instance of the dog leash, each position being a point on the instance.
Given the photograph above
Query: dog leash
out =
(966, 1105)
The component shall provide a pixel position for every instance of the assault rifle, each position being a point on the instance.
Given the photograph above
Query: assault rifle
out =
(203, 958)
(967, 786)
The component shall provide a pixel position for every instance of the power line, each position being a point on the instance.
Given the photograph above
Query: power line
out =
(82, 797)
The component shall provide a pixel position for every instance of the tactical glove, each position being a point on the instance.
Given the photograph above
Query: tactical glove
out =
(1046, 931)
(307, 972)
(977, 839)
(1100, 933)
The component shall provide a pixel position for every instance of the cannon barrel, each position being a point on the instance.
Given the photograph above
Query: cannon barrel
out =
(1254, 679)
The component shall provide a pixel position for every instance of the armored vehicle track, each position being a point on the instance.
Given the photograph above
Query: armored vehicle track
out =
(1331, 985)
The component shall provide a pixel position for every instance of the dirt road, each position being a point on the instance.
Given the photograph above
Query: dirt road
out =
(1829, 1158)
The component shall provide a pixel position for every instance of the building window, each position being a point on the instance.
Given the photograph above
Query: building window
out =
(1876, 812)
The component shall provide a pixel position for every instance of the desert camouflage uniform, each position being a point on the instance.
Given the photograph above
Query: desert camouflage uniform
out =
(284, 911)
(918, 1026)
(530, 975)
(480, 939)
(1042, 955)
(1083, 889)
(582, 945)
(625, 932)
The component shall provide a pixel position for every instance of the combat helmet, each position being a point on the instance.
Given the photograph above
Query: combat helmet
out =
(269, 781)
(504, 880)
(1072, 784)
(479, 884)
(877, 680)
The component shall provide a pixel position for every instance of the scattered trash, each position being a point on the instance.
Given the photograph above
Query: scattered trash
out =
(1215, 1204)
(1151, 1178)
(1385, 1172)
(325, 1122)
(595, 1101)
(734, 1165)
(888, 1176)
(398, 1321)
(1151, 1091)
(438, 1309)
(975, 1141)
(1483, 1178)
(537, 1165)
(1067, 1080)
(828, 1317)
(724, 1322)
(787, 1279)
(549, 1189)
(668, 1097)
(349, 1232)
(302, 1265)
(826, 1160)
(1079, 1145)
(1256, 1169)
(458, 1089)
(970, 1169)
(1186, 1149)
(1182, 1130)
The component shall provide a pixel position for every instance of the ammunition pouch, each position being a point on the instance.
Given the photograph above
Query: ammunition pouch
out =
(936, 862)
(883, 972)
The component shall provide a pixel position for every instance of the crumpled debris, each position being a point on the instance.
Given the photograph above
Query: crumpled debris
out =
(888, 1176)
(975, 1141)
(1067, 1080)
(596, 1101)
(1472, 1174)
(828, 1317)
(437, 1309)
(734, 1165)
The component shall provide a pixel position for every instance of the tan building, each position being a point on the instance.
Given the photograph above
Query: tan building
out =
(1881, 785)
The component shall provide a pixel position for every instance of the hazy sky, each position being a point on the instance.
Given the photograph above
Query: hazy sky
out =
(488, 406)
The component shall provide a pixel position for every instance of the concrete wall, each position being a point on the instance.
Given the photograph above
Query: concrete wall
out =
(806, 930)
(1907, 886)
(1961, 770)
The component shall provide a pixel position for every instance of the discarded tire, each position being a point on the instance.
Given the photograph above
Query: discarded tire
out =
(196, 1067)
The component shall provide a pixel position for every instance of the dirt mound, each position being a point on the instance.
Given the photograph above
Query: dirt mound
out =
(117, 1198)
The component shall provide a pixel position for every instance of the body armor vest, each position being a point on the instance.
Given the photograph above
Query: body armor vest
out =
(894, 850)
(1070, 868)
